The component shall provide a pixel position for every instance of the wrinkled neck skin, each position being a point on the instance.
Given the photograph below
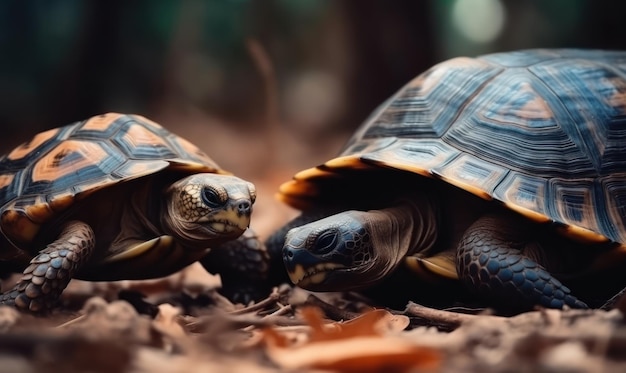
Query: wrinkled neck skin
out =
(182, 230)
(139, 219)
(189, 234)
(151, 215)
(145, 210)
(409, 227)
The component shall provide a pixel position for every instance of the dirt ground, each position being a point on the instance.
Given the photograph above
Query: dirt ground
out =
(182, 324)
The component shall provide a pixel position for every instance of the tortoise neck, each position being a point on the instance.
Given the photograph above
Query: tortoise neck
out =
(146, 206)
(417, 220)
(408, 227)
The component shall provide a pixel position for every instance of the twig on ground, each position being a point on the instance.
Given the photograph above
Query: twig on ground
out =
(71, 322)
(446, 318)
(229, 321)
(329, 310)
(270, 300)
(221, 301)
(283, 309)
(617, 301)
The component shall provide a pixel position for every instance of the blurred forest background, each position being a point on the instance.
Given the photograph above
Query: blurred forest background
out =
(265, 87)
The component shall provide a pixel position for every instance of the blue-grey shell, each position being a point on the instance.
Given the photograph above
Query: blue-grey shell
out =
(543, 131)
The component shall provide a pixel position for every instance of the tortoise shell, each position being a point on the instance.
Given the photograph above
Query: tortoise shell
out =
(541, 131)
(46, 175)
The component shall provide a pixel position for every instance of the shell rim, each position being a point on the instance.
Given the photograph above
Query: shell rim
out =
(289, 193)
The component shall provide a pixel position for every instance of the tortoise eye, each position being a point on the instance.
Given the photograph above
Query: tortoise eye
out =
(211, 197)
(325, 242)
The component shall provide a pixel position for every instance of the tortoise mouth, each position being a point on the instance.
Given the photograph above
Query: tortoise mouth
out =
(325, 277)
(228, 226)
(201, 236)
(313, 275)
(227, 221)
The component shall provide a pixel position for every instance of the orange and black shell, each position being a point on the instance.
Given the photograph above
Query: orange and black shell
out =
(542, 131)
(42, 177)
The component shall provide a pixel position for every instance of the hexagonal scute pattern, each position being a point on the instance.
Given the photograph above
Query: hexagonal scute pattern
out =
(87, 155)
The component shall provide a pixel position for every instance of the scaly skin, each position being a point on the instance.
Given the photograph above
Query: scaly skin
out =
(500, 256)
(496, 259)
(52, 269)
(243, 266)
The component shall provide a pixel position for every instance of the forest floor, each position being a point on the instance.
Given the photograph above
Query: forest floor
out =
(182, 324)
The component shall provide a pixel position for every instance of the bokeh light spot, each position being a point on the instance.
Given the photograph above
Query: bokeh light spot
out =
(480, 21)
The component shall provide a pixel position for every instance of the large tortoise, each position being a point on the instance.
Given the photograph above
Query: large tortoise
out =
(506, 171)
(112, 197)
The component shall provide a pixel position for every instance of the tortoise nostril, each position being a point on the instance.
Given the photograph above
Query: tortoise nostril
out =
(289, 254)
(244, 207)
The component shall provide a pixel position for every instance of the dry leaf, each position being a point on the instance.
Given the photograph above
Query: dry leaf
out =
(9, 316)
(380, 321)
(196, 280)
(360, 345)
(166, 323)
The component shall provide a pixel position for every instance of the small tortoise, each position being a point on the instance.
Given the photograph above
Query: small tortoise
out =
(112, 197)
(468, 173)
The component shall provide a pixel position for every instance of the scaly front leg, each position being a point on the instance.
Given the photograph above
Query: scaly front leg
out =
(52, 269)
(498, 258)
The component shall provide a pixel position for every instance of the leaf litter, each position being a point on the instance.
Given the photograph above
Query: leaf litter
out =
(182, 324)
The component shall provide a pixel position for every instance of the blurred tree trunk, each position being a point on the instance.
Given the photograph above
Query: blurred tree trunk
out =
(392, 43)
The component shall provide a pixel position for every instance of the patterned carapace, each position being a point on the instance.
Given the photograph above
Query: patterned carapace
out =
(41, 177)
(543, 131)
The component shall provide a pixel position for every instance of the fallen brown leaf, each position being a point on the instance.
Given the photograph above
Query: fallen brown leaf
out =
(166, 324)
(360, 345)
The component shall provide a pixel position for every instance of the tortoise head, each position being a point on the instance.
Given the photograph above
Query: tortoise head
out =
(207, 209)
(346, 251)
